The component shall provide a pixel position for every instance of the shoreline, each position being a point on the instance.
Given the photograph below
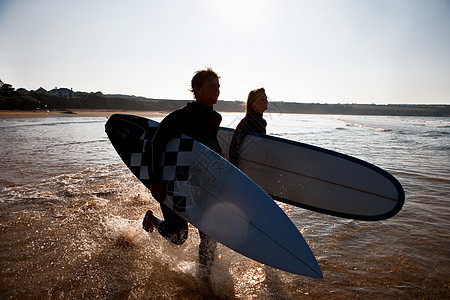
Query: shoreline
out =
(22, 114)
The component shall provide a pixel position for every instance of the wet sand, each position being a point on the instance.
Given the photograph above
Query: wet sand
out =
(19, 114)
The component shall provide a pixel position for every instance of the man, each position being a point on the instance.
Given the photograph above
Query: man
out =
(201, 122)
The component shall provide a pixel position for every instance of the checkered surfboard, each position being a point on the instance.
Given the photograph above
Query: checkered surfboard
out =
(214, 196)
(136, 156)
(176, 161)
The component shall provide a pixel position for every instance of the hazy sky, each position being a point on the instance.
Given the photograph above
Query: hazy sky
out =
(326, 51)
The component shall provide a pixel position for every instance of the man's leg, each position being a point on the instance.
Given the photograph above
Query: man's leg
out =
(206, 254)
(173, 227)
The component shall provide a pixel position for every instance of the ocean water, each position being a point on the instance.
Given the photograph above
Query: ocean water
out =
(71, 212)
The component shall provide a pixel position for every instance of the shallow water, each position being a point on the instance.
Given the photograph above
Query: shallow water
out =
(70, 218)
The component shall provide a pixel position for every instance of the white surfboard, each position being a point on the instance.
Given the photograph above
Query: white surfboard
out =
(214, 196)
(317, 179)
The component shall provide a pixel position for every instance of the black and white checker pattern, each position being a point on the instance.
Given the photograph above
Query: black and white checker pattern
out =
(176, 161)
(139, 160)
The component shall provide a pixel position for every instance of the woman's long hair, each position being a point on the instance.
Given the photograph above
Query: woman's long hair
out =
(252, 98)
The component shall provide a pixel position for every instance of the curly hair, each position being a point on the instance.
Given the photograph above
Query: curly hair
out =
(200, 77)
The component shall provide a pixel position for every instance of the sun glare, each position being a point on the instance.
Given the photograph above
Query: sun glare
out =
(244, 14)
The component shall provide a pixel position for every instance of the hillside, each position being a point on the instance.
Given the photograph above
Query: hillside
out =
(21, 99)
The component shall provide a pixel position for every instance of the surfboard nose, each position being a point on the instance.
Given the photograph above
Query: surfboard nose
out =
(317, 271)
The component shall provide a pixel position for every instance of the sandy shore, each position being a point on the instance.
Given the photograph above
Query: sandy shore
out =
(19, 114)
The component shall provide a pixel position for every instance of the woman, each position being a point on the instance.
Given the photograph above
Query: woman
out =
(253, 122)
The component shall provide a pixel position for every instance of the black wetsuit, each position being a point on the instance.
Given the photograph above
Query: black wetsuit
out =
(253, 122)
(201, 123)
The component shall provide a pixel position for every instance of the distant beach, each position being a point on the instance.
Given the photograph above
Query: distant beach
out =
(19, 114)
(38, 102)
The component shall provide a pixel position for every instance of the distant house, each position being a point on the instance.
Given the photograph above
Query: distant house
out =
(6, 87)
(41, 91)
(62, 92)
